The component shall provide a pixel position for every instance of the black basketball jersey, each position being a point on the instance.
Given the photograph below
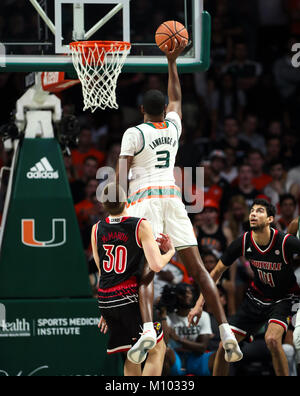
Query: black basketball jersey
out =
(120, 251)
(274, 275)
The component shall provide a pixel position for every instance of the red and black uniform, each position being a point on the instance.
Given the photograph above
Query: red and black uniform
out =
(122, 261)
(269, 298)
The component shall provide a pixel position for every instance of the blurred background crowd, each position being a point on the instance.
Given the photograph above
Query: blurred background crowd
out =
(241, 123)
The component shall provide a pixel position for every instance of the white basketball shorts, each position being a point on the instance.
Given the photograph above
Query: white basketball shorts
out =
(168, 216)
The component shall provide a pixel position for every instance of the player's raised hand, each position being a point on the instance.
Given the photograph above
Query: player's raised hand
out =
(165, 243)
(178, 49)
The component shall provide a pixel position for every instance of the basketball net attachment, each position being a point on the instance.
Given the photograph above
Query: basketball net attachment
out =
(98, 65)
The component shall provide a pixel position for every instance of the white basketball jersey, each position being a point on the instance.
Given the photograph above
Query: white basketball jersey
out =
(154, 146)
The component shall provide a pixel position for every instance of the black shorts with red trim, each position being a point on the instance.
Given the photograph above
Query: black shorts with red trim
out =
(119, 306)
(254, 313)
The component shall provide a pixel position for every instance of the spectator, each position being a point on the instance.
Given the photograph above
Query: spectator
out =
(222, 44)
(250, 135)
(230, 171)
(273, 152)
(231, 138)
(278, 186)
(86, 208)
(287, 208)
(228, 100)
(210, 260)
(212, 235)
(113, 155)
(210, 189)
(86, 149)
(275, 129)
(238, 216)
(89, 171)
(217, 164)
(245, 71)
(256, 160)
(245, 186)
(172, 274)
(186, 352)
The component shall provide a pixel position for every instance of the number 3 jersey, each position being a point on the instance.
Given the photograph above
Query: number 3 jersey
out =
(154, 146)
(272, 265)
(120, 251)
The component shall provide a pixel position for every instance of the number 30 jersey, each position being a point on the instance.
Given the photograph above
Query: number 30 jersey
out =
(120, 251)
(154, 146)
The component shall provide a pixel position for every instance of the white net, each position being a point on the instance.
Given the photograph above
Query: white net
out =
(98, 69)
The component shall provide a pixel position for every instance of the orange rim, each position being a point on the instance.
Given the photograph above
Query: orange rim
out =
(82, 46)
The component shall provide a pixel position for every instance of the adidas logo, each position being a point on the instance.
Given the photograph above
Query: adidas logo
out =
(42, 170)
(249, 250)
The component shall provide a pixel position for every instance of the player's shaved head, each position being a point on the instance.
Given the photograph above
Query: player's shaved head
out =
(154, 102)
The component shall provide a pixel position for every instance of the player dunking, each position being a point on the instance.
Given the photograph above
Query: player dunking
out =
(121, 245)
(149, 151)
(270, 297)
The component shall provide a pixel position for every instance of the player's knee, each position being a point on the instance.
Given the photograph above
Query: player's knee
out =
(273, 343)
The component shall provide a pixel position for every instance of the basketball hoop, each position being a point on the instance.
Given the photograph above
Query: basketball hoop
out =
(98, 65)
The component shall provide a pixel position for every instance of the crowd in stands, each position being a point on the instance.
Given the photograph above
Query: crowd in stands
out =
(241, 123)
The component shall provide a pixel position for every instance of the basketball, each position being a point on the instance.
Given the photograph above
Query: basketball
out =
(168, 32)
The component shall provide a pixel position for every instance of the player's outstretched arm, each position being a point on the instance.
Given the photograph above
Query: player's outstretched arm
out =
(155, 259)
(195, 313)
(174, 87)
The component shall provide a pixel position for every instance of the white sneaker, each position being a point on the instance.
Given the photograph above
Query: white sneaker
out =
(230, 344)
(233, 352)
(138, 353)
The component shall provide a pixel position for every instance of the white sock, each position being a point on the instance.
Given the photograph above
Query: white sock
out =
(148, 326)
(225, 331)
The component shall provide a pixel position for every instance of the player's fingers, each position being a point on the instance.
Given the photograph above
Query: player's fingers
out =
(183, 43)
(165, 237)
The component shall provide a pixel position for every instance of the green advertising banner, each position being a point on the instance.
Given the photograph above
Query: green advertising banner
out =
(54, 338)
(42, 254)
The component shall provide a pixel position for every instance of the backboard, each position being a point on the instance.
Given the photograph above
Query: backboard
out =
(35, 34)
